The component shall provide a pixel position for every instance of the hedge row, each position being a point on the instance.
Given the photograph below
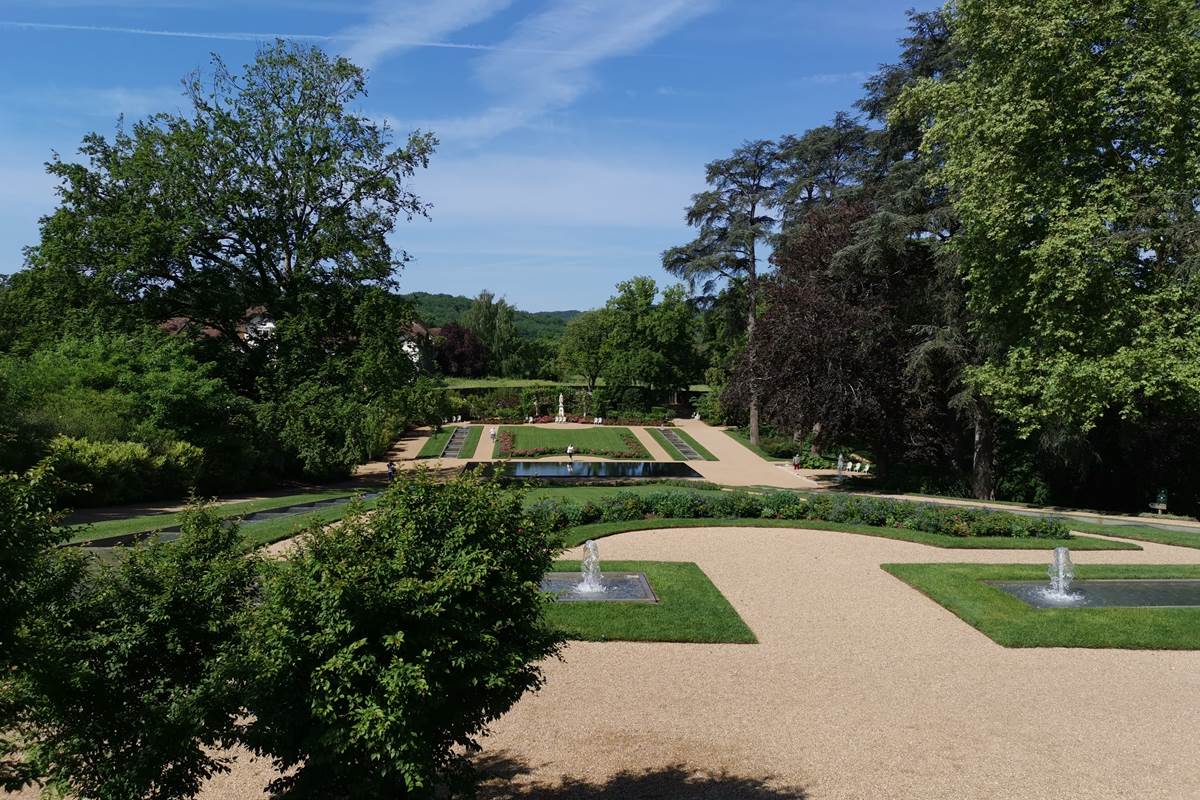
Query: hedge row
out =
(559, 513)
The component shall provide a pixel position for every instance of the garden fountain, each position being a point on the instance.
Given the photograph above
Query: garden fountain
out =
(1062, 572)
(592, 584)
(593, 581)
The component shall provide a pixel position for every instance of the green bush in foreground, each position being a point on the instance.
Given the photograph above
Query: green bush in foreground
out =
(559, 513)
(123, 685)
(388, 642)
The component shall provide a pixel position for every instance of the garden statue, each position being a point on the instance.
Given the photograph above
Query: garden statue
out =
(562, 414)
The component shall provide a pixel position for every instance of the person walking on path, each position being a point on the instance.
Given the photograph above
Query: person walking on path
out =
(796, 463)
(391, 470)
(570, 452)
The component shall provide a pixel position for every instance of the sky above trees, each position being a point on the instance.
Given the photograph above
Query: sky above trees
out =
(573, 132)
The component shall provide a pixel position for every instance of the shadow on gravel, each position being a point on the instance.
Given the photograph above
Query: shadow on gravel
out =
(501, 776)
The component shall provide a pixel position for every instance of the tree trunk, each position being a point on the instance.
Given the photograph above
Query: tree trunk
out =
(983, 467)
(751, 318)
(816, 435)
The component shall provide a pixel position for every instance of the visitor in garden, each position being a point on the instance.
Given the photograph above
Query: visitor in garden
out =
(796, 462)
(570, 452)
(391, 470)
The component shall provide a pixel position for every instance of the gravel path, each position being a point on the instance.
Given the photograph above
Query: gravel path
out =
(859, 688)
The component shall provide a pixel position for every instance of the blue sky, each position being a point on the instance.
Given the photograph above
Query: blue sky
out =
(573, 131)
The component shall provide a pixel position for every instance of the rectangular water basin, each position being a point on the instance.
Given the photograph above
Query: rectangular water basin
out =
(1129, 593)
(566, 470)
(619, 587)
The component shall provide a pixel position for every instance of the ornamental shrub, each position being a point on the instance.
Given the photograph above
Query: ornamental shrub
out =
(104, 473)
(623, 506)
(125, 684)
(384, 646)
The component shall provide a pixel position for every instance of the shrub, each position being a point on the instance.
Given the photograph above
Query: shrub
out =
(125, 684)
(385, 645)
(117, 472)
(623, 506)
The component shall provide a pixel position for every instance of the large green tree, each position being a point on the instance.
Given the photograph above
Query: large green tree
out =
(1070, 144)
(651, 339)
(733, 218)
(581, 351)
(269, 189)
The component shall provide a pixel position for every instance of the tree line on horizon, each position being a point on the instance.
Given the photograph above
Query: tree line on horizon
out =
(985, 278)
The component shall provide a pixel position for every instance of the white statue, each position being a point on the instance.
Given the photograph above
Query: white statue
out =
(562, 415)
(841, 466)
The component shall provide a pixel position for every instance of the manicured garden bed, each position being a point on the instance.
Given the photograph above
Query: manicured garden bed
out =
(952, 522)
(472, 442)
(689, 609)
(960, 588)
(578, 535)
(533, 442)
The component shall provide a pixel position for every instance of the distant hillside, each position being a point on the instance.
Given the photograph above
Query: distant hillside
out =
(436, 310)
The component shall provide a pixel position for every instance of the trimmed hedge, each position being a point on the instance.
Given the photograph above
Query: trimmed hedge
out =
(558, 513)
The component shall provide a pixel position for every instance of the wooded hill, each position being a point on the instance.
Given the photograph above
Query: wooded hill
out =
(436, 310)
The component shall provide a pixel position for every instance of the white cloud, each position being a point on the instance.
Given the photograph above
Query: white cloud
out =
(393, 24)
(547, 63)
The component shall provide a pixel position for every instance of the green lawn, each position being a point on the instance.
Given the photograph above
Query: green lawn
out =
(1013, 623)
(154, 522)
(1142, 533)
(530, 441)
(264, 533)
(744, 440)
(436, 443)
(674, 453)
(699, 448)
(689, 609)
(597, 530)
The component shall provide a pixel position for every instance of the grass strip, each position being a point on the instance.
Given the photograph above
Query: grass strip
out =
(471, 442)
(154, 522)
(599, 494)
(263, 533)
(578, 535)
(744, 441)
(1141, 533)
(436, 444)
(1012, 623)
(700, 449)
(665, 444)
(689, 609)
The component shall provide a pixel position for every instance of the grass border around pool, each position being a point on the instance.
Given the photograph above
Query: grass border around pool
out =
(690, 608)
(597, 530)
(959, 588)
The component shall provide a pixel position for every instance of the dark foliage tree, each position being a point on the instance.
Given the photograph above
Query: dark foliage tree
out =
(461, 353)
